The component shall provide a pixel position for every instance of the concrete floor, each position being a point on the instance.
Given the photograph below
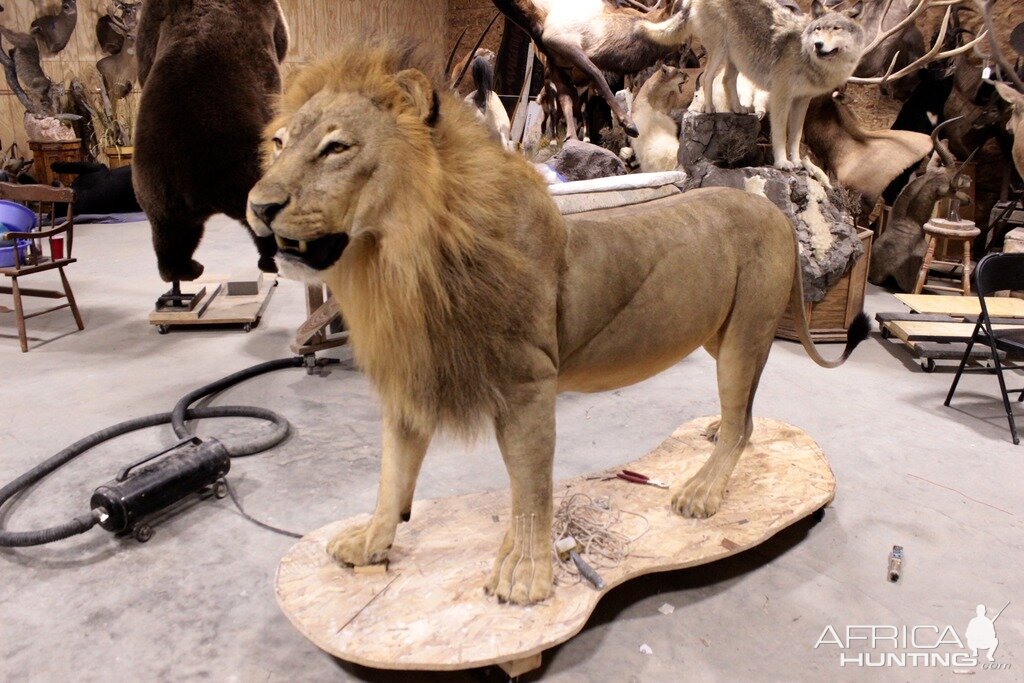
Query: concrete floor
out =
(197, 600)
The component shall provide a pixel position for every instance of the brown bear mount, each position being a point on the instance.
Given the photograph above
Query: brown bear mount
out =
(208, 70)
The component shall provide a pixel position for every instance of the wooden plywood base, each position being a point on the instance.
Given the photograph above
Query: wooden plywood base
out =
(915, 331)
(998, 306)
(219, 308)
(428, 611)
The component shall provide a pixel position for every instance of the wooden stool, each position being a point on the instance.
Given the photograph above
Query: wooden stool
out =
(962, 231)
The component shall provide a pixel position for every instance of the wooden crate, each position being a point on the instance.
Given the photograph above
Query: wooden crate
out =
(118, 157)
(829, 318)
(47, 152)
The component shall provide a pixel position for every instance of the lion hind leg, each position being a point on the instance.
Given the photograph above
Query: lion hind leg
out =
(739, 370)
(403, 452)
(522, 572)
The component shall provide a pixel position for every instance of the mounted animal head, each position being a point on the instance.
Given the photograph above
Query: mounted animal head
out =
(13, 163)
(54, 30)
(670, 89)
(119, 69)
(353, 133)
(833, 36)
(1014, 96)
(1016, 123)
(118, 24)
(951, 181)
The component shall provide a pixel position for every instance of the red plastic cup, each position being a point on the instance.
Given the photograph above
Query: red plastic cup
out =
(56, 248)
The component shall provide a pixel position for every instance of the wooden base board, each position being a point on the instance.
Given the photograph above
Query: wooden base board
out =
(916, 331)
(220, 309)
(998, 306)
(429, 610)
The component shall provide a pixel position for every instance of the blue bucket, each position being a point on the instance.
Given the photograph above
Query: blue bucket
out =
(15, 217)
(7, 253)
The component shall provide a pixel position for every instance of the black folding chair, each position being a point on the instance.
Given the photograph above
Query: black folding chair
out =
(994, 273)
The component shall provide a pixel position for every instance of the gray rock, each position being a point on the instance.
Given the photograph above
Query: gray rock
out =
(824, 226)
(726, 140)
(584, 161)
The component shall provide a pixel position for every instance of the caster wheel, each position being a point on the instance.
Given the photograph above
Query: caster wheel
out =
(247, 327)
(162, 329)
(928, 365)
(220, 489)
(142, 533)
(884, 331)
(818, 515)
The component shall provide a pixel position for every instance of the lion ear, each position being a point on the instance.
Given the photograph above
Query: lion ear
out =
(421, 94)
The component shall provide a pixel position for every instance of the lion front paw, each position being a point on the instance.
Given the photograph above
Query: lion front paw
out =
(522, 571)
(358, 547)
(699, 498)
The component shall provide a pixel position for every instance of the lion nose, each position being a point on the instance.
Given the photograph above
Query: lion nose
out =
(267, 212)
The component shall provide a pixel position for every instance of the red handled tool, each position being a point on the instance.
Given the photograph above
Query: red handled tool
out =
(638, 478)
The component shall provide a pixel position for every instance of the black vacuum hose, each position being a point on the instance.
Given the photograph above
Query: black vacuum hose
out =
(177, 418)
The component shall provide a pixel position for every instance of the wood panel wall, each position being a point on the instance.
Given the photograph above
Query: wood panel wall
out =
(318, 28)
(77, 59)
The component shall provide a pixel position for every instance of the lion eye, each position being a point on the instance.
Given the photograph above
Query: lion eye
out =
(334, 147)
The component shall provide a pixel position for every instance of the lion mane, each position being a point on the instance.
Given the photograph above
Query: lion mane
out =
(440, 296)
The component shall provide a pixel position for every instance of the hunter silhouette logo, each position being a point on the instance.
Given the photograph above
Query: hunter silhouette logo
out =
(921, 645)
(981, 633)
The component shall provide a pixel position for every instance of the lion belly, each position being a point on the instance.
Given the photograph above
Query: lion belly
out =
(646, 285)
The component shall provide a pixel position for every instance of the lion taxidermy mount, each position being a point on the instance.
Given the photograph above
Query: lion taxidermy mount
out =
(470, 300)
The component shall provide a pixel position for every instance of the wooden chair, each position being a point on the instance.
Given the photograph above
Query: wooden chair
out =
(45, 201)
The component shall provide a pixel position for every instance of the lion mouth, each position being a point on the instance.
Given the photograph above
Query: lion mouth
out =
(320, 254)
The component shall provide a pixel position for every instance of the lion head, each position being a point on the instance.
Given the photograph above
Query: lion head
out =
(352, 132)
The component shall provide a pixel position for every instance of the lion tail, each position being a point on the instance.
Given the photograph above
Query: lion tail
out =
(859, 330)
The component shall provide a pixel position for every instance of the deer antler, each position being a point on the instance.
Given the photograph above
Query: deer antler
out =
(935, 53)
(997, 54)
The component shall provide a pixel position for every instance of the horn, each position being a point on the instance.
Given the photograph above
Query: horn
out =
(960, 171)
(940, 147)
(451, 55)
(479, 42)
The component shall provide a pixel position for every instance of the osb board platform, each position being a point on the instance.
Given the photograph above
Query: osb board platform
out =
(221, 309)
(429, 610)
(998, 306)
(915, 331)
